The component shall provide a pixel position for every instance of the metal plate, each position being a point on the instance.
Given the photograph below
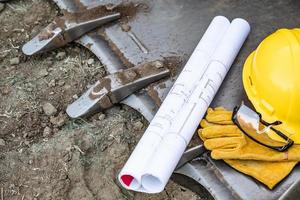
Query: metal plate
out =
(171, 29)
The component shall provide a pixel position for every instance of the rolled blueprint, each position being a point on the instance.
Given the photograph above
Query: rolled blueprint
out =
(170, 150)
(131, 174)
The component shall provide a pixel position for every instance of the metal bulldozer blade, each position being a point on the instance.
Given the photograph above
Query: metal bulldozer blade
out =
(170, 30)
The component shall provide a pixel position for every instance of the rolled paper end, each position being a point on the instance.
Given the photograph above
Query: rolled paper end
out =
(153, 183)
(222, 19)
(242, 21)
(163, 163)
(127, 179)
(130, 175)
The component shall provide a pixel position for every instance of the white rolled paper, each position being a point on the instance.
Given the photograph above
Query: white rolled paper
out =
(131, 174)
(157, 174)
(168, 153)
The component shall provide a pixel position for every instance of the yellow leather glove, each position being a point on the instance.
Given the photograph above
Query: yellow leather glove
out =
(269, 173)
(226, 141)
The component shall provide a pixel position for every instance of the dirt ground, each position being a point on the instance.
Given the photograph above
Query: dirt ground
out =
(43, 153)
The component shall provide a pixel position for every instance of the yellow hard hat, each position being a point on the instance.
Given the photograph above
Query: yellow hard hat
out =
(271, 78)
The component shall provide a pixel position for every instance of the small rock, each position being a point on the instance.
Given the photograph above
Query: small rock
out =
(26, 142)
(90, 61)
(2, 6)
(75, 96)
(67, 87)
(43, 124)
(101, 117)
(3, 55)
(49, 63)
(68, 156)
(29, 89)
(55, 130)
(25, 134)
(2, 142)
(60, 55)
(47, 131)
(138, 126)
(52, 83)
(49, 109)
(13, 67)
(30, 162)
(158, 64)
(14, 61)
(5, 91)
(61, 83)
(43, 73)
(110, 6)
(89, 86)
(125, 27)
(58, 121)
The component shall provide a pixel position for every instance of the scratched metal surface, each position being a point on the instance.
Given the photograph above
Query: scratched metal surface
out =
(223, 182)
(173, 28)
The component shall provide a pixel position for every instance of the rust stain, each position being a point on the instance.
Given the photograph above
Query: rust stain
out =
(127, 76)
(162, 86)
(45, 35)
(140, 71)
(127, 12)
(88, 45)
(79, 5)
(154, 95)
(60, 21)
(87, 15)
(115, 49)
(48, 31)
(105, 102)
(150, 68)
(104, 83)
(174, 64)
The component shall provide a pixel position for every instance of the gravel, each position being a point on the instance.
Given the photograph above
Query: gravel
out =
(49, 109)
(101, 117)
(2, 6)
(90, 61)
(138, 126)
(58, 121)
(47, 131)
(15, 61)
(2, 142)
(43, 73)
(60, 55)
(52, 83)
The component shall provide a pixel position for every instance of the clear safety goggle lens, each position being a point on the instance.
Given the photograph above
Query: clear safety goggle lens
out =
(251, 124)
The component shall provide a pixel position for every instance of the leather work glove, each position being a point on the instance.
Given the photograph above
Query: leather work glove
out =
(226, 141)
(268, 173)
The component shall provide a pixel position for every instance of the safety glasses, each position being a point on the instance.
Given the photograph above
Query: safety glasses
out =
(252, 125)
